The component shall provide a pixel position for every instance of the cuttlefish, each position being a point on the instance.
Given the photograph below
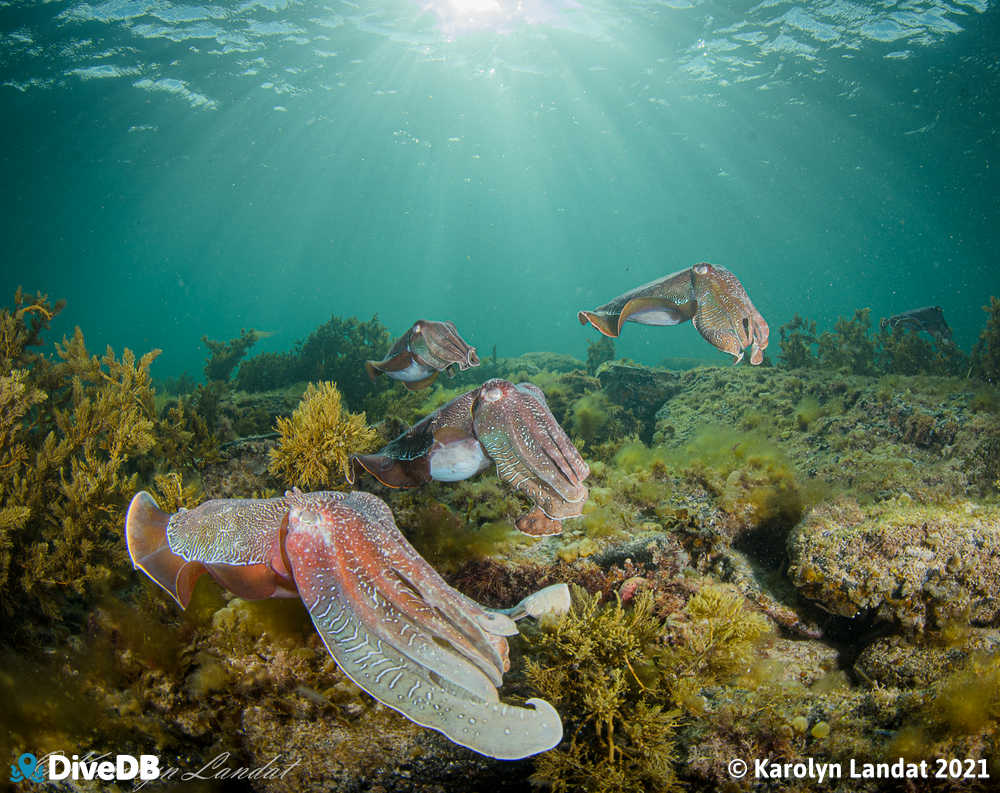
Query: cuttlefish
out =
(422, 353)
(709, 295)
(389, 620)
(929, 319)
(498, 423)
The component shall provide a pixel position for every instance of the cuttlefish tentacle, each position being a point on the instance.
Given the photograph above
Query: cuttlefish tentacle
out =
(708, 294)
(334, 549)
(726, 318)
(532, 454)
(390, 621)
(424, 351)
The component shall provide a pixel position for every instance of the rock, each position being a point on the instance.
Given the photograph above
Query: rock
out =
(639, 389)
(894, 661)
(917, 565)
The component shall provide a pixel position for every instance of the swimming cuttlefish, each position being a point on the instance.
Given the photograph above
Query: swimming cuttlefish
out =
(929, 319)
(497, 423)
(389, 620)
(709, 295)
(422, 353)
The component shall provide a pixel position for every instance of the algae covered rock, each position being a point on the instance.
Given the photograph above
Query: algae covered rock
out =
(894, 661)
(917, 565)
(638, 388)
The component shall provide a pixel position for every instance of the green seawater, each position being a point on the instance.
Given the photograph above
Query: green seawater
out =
(180, 170)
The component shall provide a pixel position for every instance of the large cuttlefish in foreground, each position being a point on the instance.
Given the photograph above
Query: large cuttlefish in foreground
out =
(497, 423)
(389, 620)
(424, 351)
(709, 295)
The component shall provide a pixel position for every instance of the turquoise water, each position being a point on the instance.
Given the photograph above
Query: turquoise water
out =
(177, 170)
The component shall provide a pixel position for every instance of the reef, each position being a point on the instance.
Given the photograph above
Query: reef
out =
(791, 561)
(918, 566)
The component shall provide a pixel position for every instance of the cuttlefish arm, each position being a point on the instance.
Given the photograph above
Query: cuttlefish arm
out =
(725, 316)
(401, 633)
(425, 350)
(532, 453)
(439, 446)
(665, 301)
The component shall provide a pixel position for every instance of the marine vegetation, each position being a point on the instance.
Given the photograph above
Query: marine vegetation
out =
(897, 348)
(798, 338)
(336, 350)
(317, 442)
(225, 356)
(597, 665)
(624, 680)
(848, 345)
(986, 355)
(598, 352)
(72, 430)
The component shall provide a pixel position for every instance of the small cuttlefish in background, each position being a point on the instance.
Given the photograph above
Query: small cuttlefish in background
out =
(424, 351)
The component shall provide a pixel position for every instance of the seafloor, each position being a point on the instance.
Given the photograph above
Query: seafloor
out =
(781, 562)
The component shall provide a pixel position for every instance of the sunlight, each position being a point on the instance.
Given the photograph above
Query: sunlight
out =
(459, 16)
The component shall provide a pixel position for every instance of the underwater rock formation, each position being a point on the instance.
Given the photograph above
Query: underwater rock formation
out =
(916, 565)
(388, 619)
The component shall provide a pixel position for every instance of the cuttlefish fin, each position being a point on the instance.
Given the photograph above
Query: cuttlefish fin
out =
(672, 312)
(391, 472)
(416, 385)
(605, 323)
(146, 538)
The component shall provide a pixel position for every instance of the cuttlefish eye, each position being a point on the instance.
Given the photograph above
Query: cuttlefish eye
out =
(702, 268)
(304, 516)
(492, 394)
(417, 328)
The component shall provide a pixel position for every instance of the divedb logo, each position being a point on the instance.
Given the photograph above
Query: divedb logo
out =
(55, 767)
